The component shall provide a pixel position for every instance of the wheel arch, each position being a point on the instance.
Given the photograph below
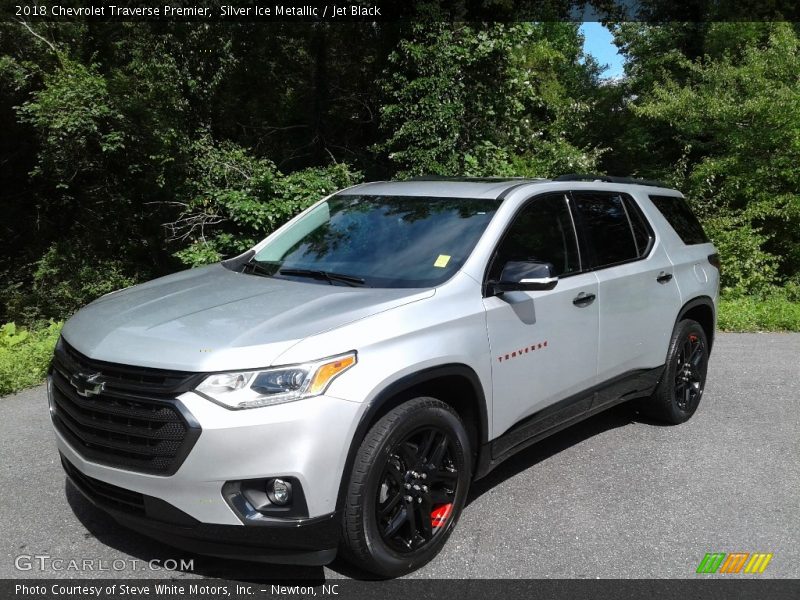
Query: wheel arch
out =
(458, 385)
(700, 309)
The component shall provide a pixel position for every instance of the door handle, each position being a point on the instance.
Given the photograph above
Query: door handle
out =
(664, 277)
(583, 299)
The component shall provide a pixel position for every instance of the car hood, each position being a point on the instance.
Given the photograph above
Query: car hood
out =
(212, 318)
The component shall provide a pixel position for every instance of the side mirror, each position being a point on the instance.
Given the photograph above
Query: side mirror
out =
(526, 276)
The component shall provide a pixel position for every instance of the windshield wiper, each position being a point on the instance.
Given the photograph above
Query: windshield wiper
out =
(326, 275)
(257, 269)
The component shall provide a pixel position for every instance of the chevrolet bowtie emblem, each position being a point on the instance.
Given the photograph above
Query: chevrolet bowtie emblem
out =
(87, 385)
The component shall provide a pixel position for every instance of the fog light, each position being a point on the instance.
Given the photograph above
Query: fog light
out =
(279, 491)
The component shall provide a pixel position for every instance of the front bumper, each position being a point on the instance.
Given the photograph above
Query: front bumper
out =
(310, 541)
(307, 440)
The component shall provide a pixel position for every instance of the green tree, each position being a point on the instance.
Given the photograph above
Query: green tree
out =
(117, 122)
(486, 99)
(235, 200)
(733, 114)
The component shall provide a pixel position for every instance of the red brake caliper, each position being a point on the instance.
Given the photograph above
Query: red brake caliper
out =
(440, 514)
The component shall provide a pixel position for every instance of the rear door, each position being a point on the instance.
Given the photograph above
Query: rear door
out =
(543, 343)
(688, 248)
(637, 291)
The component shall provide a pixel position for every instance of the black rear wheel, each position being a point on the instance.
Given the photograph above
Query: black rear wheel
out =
(407, 488)
(689, 373)
(678, 394)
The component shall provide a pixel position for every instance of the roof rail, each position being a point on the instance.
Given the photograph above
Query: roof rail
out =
(609, 179)
(469, 179)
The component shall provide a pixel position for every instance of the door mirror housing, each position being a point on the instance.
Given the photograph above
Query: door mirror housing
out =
(527, 276)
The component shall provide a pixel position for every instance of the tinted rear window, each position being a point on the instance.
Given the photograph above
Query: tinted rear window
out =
(680, 216)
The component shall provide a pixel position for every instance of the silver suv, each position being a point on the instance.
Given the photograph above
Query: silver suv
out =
(339, 386)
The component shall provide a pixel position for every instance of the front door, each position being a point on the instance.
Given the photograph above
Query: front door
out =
(543, 343)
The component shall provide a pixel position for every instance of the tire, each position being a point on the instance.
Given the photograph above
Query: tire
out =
(407, 488)
(681, 387)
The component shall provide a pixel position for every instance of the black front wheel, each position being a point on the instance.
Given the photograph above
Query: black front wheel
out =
(678, 394)
(407, 488)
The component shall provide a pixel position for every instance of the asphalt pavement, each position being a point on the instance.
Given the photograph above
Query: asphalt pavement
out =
(616, 496)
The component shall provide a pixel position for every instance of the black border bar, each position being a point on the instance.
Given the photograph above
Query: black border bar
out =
(373, 11)
(500, 589)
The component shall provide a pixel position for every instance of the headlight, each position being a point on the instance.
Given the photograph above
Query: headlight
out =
(251, 389)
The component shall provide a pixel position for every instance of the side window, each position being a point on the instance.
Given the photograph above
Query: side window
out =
(542, 232)
(607, 228)
(676, 210)
(642, 233)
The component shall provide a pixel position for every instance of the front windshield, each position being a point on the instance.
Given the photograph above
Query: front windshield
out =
(379, 241)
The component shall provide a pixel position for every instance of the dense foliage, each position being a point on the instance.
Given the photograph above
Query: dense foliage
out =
(25, 355)
(720, 117)
(132, 150)
(234, 199)
(778, 311)
(493, 99)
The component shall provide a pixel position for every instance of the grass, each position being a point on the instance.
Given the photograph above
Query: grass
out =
(25, 355)
(749, 313)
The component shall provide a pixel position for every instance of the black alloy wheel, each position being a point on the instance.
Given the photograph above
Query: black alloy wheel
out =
(681, 387)
(407, 487)
(417, 489)
(690, 372)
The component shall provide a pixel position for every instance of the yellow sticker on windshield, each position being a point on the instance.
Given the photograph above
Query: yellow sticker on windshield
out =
(442, 261)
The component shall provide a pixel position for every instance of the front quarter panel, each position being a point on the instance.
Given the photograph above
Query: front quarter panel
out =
(447, 328)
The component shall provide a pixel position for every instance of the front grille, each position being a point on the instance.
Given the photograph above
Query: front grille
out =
(125, 378)
(133, 422)
(105, 493)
